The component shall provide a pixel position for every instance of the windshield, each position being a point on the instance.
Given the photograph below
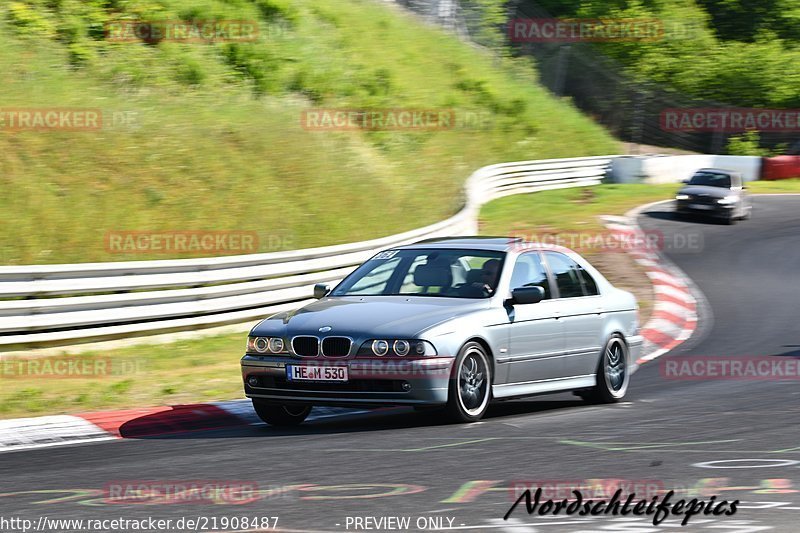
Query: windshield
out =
(426, 272)
(711, 179)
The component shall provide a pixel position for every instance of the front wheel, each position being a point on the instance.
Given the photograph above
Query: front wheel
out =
(748, 212)
(470, 385)
(612, 373)
(278, 414)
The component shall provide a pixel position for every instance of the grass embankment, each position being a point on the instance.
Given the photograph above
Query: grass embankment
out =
(208, 368)
(209, 136)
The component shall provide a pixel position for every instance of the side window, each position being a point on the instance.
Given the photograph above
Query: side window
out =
(565, 270)
(589, 285)
(529, 272)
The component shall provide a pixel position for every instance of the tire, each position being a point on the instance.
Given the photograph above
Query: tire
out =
(471, 384)
(612, 373)
(278, 414)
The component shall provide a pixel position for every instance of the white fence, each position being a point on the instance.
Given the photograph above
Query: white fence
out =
(674, 168)
(45, 305)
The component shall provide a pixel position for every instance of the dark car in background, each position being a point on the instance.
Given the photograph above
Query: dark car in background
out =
(716, 193)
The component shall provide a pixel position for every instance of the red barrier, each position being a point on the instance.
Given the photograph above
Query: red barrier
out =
(780, 167)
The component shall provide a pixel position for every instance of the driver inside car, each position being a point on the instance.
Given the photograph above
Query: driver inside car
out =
(484, 282)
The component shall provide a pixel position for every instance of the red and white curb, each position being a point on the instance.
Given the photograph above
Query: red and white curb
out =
(60, 430)
(674, 316)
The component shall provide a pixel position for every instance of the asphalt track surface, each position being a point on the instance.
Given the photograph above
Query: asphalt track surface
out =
(732, 439)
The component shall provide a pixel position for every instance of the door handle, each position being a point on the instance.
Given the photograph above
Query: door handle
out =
(599, 310)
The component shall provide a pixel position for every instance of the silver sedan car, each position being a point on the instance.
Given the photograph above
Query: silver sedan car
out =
(448, 324)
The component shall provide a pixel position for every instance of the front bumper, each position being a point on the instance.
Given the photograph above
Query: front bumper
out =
(705, 208)
(422, 381)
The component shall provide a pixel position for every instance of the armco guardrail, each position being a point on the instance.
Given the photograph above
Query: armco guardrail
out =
(68, 304)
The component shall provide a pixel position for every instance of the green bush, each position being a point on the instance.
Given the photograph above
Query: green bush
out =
(732, 51)
(272, 10)
(208, 136)
(27, 20)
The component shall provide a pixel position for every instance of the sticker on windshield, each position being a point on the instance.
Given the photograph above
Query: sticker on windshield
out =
(386, 255)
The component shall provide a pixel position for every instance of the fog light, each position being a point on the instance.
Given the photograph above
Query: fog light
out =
(406, 386)
(252, 381)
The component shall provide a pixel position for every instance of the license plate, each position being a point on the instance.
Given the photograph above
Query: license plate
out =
(316, 373)
(701, 206)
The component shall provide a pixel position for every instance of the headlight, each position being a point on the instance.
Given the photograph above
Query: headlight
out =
(261, 344)
(380, 348)
(266, 345)
(396, 347)
(401, 348)
(681, 196)
(728, 200)
(275, 344)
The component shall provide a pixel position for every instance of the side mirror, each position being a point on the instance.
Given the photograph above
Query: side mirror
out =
(321, 290)
(526, 295)
(687, 180)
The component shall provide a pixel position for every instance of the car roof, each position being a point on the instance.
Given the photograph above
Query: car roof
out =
(718, 171)
(479, 242)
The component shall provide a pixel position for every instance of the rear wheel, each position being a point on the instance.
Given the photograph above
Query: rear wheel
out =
(612, 373)
(278, 414)
(470, 385)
